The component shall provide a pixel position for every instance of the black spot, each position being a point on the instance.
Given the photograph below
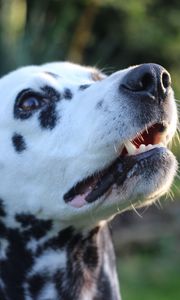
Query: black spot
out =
(90, 256)
(34, 227)
(51, 93)
(36, 283)
(104, 289)
(48, 117)
(26, 220)
(18, 142)
(99, 104)
(72, 288)
(84, 86)
(74, 242)
(63, 238)
(58, 242)
(93, 232)
(68, 94)
(3, 231)
(14, 269)
(2, 211)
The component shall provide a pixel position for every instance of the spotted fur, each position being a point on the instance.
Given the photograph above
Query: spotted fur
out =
(18, 142)
(71, 129)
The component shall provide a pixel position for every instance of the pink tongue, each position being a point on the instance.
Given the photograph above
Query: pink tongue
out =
(78, 201)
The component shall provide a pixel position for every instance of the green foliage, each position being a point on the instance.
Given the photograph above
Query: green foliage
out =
(152, 276)
(110, 33)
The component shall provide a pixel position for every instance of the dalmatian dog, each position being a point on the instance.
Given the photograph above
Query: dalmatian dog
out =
(76, 148)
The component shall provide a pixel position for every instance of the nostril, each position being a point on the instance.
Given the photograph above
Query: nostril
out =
(146, 82)
(143, 82)
(166, 80)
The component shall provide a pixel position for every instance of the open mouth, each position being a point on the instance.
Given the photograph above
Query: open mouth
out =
(150, 142)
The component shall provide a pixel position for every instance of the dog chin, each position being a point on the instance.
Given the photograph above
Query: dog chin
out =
(138, 191)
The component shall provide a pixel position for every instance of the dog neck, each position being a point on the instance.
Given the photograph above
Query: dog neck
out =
(39, 260)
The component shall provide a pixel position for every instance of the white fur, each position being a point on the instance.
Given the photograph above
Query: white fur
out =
(49, 262)
(48, 292)
(3, 248)
(83, 142)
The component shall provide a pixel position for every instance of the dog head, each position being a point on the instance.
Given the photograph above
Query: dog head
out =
(74, 141)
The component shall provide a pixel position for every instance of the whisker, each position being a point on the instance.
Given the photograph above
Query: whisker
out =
(158, 204)
(178, 176)
(175, 140)
(135, 210)
(146, 129)
(171, 195)
(117, 208)
(177, 135)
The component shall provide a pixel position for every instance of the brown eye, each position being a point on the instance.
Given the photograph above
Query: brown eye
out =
(31, 102)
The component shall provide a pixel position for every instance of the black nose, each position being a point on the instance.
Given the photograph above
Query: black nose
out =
(148, 80)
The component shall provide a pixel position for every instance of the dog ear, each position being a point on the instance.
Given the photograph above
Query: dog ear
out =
(97, 75)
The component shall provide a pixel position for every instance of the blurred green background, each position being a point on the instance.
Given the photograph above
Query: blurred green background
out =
(111, 34)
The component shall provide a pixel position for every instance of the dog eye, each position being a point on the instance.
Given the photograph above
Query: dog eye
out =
(31, 102)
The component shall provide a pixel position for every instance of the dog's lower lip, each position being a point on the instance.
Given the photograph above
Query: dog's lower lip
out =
(120, 170)
(117, 173)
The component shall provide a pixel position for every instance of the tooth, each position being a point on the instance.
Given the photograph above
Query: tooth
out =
(131, 149)
(142, 148)
(149, 147)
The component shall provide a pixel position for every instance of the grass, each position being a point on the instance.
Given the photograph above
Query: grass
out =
(147, 276)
